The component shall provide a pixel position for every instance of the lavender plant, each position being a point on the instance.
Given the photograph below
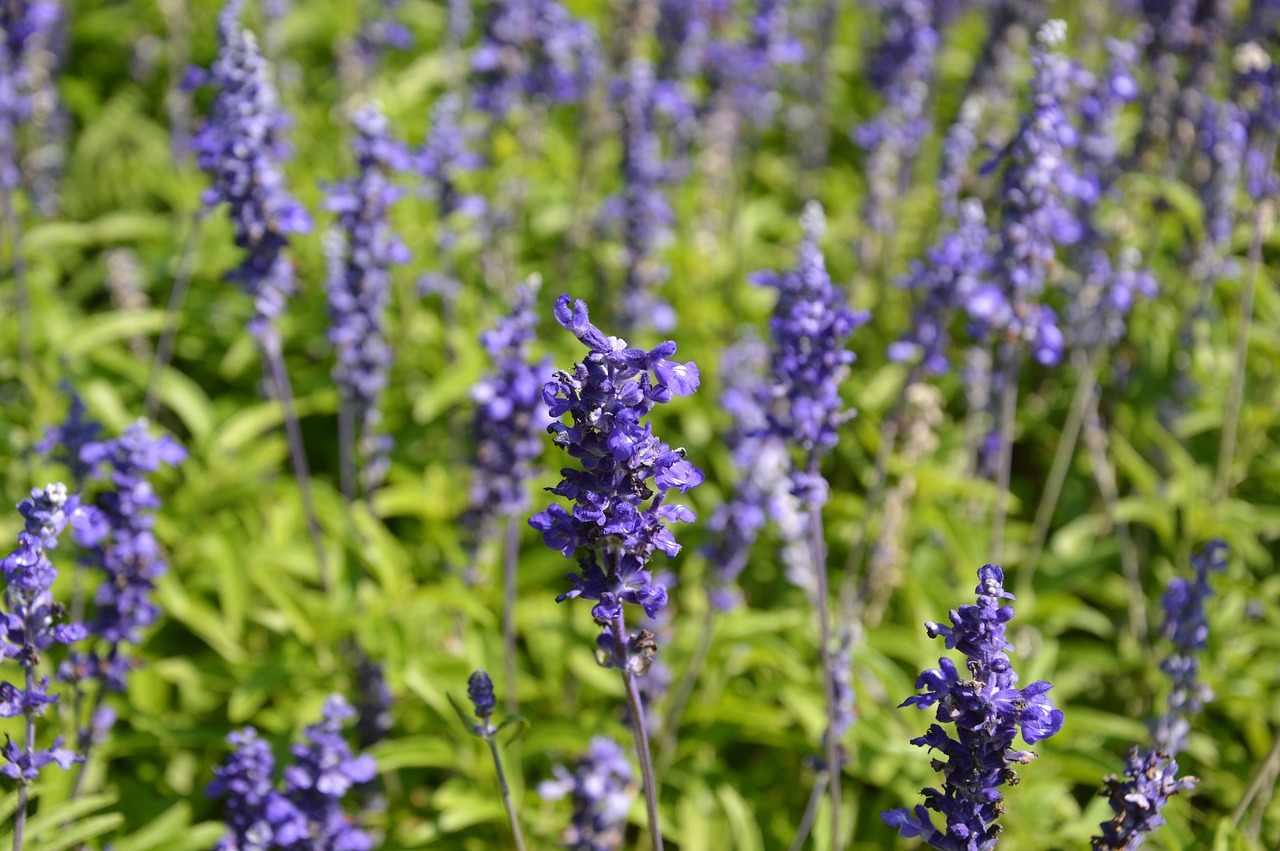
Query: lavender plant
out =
(509, 419)
(444, 157)
(600, 789)
(118, 540)
(483, 702)
(620, 512)
(242, 149)
(359, 290)
(532, 50)
(29, 627)
(988, 711)
(308, 812)
(810, 326)
(1150, 779)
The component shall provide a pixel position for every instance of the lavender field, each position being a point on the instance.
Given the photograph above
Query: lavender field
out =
(643, 424)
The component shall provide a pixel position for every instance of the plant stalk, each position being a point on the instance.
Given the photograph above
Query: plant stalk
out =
(810, 812)
(510, 561)
(169, 330)
(618, 629)
(1235, 397)
(284, 390)
(818, 550)
(1061, 464)
(506, 793)
(24, 785)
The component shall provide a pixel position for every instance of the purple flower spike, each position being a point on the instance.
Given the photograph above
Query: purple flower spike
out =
(510, 418)
(620, 513)
(361, 255)
(600, 788)
(242, 149)
(29, 624)
(811, 325)
(1150, 779)
(988, 711)
(308, 813)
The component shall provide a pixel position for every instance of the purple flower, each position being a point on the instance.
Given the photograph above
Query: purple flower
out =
(359, 283)
(599, 786)
(242, 149)
(811, 324)
(642, 207)
(480, 691)
(510, 418)
(29, 624)
(532, 50)
(446, 155)
(63, 444)
(1150, 779)
(988, 710)
(1187, 628)
(308, 813)
(26, 29)
(620, 513)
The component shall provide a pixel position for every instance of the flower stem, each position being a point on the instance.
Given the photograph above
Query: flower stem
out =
(284, 390)
(24, 784)
(1008, 413)
(818, 551)
(510, 561)
(506, 794)
(1061, 462)
(618, 629)
(810, 812)
(169, 331)
(1235, 398)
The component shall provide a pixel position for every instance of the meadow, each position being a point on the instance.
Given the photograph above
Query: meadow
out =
(317, 311)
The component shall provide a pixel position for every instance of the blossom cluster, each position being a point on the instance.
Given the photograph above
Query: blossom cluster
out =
(600, 789)
(242, 149)
(810, 326)
(532, 50)
(24, 28)
(988, 711)
(445, 155)
(509, 417)
(118, 540)
(308, 812)
(359, 285)
(620, 511)
(31, 624)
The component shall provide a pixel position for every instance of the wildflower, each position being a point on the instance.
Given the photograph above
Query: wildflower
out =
(532, 50)
(31, 625)
(359, 283)
(599, 786)
(811, 324)
(509, 417)
(480, 690)
(242, 149)
(620, 513)
(988, 711)
(1150, 779)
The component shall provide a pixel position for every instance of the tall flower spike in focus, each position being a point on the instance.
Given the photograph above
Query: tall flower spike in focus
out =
(987, 710)
(359, 285)
(600, 788)
(620, 509)
(28, 626)
(242, 149)
(810, 325)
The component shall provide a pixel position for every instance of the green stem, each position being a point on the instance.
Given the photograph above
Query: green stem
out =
(506, 793)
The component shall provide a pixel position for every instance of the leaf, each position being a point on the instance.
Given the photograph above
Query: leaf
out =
(472, 726)
(519, 722)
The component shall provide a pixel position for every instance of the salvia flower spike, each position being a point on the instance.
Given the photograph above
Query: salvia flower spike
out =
(620, 512)
(988, 711)
(483, 702)
(600, 787)
(29, 625)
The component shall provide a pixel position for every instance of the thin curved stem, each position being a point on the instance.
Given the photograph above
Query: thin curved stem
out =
(169, 330)
(635, 703)
(684, 691)
(1061, 464)
(1235, 397)
(1008, 414)
(810, 812)
(510, 562)
(297, 450)
(507, 804)
(1266, 770)
(818, 549)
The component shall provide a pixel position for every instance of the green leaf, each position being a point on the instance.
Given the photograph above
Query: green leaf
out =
(472, 726)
